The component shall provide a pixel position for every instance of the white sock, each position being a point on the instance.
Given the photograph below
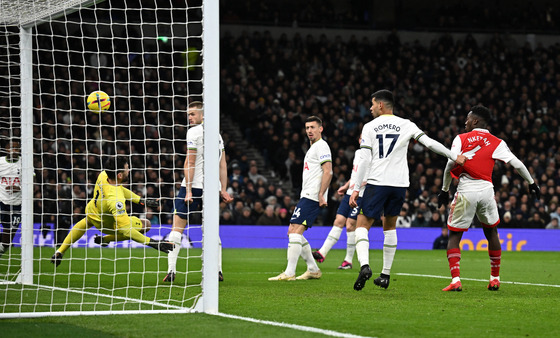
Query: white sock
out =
(362, 246)
(294, 250)
(175, 237)
(219, 254)
(1, 248)
(389, 249)
(350, 246)
(331, 240)
(308, 256)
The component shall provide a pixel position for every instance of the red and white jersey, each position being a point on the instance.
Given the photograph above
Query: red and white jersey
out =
(10, 177)
(355, 164)
(482, 150)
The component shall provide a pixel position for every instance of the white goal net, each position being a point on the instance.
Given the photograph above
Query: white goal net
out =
(147, 56)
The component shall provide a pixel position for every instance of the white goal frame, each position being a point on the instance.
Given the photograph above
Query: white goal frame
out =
(208, 302)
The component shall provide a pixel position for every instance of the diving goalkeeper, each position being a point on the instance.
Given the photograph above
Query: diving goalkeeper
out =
(107, 212)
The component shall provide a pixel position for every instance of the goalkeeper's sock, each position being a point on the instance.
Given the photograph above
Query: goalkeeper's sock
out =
(350, 246)
(331, 240)
(175, 237)
(307, 255)
(362, 246)
(294, 250)
(389, 249)
(220, 255)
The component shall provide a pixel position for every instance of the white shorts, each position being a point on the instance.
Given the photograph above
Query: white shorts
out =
(467, 204)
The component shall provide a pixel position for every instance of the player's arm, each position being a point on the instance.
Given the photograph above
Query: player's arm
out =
(343, 188)
(443, 196)
(503, 153)
(325, 181)
(130, 196)
(224, 180)
(363, 168)
(188, 168)
(439, 148)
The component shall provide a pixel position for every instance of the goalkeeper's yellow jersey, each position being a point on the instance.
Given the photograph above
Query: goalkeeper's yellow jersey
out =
(108, 206)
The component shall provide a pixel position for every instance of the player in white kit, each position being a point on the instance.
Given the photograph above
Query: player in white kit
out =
(189, 198)
(345, 216)
(317, 174)
(10, 194)
(384, 163)
(475, 192)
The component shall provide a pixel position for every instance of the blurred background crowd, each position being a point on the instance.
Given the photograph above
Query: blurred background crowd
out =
(270, 83)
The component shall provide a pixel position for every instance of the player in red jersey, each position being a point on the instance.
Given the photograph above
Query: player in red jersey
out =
(475, 192)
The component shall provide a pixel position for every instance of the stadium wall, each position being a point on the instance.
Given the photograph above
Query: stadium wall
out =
(275, 237)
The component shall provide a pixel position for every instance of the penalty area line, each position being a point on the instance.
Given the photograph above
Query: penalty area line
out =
(291, 326)
(474, 279)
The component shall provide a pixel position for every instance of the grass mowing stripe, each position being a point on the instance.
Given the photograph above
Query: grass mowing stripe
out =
(475, 279)
(293, 326)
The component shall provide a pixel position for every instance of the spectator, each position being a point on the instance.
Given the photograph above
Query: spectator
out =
(245, 218)
(254, 174)
(236, 175)
(419, 221)
(226, 218)
(404, 220)
(440, 243)
(284, 216)
(553, 224)
(436, 221)
(269, 218)
(536, 221)
(507, 221)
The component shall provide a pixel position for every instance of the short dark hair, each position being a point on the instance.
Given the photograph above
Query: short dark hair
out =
(314, 118)
(196, 104)
(114, 164)
(384, 95)
(481, 112)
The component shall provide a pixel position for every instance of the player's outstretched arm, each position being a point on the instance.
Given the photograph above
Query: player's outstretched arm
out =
(129, 195)
(522, 170)
(440, 149)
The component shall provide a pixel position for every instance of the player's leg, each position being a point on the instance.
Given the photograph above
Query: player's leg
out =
(461, 214)
(488, 215)
(332, 237)
(141, 225)
(389, 250)
(363, 225)
(350, 244)
(10, 220)
(78, 230)
(313, 271)
(295, 243)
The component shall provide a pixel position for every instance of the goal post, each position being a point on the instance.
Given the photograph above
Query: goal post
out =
(152, 60)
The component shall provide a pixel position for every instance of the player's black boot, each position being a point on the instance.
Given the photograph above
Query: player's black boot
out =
(365, 274)
(220, 276)
(99, 241)
(382, 281)
(56, 259)
(170, 277)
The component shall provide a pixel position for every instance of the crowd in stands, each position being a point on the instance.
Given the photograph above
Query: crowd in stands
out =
(269, 86)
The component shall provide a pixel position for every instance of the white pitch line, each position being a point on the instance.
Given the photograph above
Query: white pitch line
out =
(475, 279)
(293, 326)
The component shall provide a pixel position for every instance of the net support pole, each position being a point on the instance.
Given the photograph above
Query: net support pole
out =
(211, 97)
(26, 61)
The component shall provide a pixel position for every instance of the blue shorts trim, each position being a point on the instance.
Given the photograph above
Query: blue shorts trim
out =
(345, 210)
(305, 213)
(381, 200)
(10, 215)
(183, 209)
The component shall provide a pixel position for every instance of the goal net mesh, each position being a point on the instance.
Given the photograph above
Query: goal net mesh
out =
(147, 57)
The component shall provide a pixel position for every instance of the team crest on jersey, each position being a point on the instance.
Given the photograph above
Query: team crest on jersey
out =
(120, 208)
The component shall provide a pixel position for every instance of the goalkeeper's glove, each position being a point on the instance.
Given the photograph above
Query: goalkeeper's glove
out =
(443, 198)
(161, 245)
(149, 202)
(535, 190)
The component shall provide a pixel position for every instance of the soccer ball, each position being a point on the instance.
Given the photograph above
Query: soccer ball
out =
(98, 101)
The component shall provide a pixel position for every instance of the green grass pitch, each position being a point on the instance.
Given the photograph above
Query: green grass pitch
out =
(414, 305)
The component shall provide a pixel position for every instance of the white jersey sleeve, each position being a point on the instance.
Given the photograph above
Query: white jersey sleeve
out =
(10, 177)
(503, 153)
(316, 156)
(353, 176)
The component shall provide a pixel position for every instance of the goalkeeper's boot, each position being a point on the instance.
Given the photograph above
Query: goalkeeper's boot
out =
(494, 285)
(170, 277)
(365, 274)
(220, 276)
(453, 287)
(56, 259)
(99, 241)
(2, 250)
(318, 256)
(283, 276)
(161, 245)
(345, 266)
(310, 275)
(382, 281)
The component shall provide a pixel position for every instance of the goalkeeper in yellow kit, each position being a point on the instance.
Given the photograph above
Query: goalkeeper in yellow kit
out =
(107, 212)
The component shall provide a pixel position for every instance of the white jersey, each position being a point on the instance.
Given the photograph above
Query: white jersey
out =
(388, 136)
(355, 164)
(318, 153)
(195, 141)
(10, 176)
